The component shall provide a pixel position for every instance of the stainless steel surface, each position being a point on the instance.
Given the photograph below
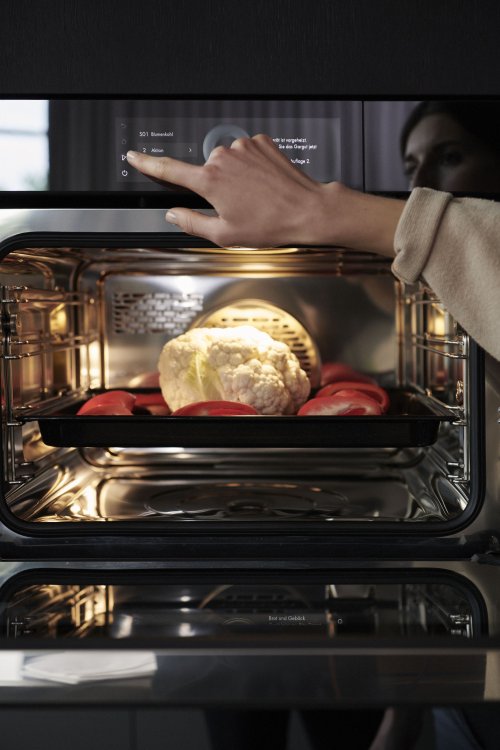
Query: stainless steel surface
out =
(18, 221)
(193, 284)
(253, 500)
(80, 317)
(490, 514)
(398, 486)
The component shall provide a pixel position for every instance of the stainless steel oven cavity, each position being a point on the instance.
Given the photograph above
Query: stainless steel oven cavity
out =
(89, 315)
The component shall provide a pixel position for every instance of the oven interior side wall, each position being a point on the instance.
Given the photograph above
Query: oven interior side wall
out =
(75, 319)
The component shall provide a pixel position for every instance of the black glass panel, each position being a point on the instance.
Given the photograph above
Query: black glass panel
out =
(321, 610)
(75, 145)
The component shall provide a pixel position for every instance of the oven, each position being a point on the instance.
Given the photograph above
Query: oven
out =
(94, 282)
(355, 555)
(89, 298)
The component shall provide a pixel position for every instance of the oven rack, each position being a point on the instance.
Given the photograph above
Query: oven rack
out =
(47, 341)
(429, 343)
(48, 344)
(434, 356)
(43, 329)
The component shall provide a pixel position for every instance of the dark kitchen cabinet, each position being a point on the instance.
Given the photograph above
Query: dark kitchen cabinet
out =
(60, 729)
(369, 47)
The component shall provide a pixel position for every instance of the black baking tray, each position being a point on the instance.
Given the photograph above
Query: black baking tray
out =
(412, 420)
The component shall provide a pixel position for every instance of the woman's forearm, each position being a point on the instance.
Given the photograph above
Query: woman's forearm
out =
(357, 220)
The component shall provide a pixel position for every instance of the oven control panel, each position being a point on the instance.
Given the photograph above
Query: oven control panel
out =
(80, 145)
(312, 144)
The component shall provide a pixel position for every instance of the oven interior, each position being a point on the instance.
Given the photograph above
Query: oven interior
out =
(80, 318)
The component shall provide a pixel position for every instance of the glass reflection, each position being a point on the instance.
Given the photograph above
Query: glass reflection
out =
(24, 144)
(230, 612)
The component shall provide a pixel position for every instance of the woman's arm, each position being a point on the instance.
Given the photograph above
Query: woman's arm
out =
(262, 200)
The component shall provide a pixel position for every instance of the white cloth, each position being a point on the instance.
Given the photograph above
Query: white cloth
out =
(75, 667)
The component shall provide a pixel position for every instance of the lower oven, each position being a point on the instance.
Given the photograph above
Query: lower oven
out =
(398, 603)
(90, 297)
(352, 636)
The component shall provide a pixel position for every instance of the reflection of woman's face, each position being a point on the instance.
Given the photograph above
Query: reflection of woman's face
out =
(440, 154)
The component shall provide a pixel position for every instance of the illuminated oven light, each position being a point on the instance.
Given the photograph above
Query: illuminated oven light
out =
(185, 598)
(186, 284)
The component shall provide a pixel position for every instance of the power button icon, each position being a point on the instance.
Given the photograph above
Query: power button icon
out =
(124, 173)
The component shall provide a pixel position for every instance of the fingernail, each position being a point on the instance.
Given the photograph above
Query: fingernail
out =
(131, 155)
(171, 217)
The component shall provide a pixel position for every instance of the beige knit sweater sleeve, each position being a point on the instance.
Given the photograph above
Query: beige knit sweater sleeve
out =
(454, 244)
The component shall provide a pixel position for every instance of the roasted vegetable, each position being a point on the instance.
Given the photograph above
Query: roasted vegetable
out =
(232, 364)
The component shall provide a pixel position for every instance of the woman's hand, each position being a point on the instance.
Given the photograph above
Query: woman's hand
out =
(262, 200)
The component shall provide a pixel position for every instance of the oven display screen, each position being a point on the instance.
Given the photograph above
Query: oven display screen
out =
(80, 145)
(311, 144)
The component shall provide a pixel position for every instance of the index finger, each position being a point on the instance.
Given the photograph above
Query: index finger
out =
(166, 169)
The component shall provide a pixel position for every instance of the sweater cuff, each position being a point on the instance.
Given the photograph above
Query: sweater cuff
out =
(416, 232)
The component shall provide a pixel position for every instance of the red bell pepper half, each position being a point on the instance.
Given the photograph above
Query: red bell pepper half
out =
(110, 398)
(214, 409)
(343, 403)
(371, 390)
(331, 372)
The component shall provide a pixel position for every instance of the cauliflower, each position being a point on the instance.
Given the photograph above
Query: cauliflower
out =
(237, 363)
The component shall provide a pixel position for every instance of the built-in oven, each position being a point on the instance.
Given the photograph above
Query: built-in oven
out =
(89, 297)
(254, 561)
(87, 311)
